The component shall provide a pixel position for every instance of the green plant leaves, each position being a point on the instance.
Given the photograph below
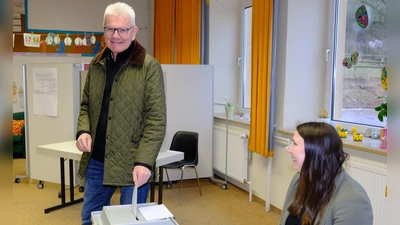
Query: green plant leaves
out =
(382, 111)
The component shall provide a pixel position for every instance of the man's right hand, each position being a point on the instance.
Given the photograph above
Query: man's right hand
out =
(84, 142)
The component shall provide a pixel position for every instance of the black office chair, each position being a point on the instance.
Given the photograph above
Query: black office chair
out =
(186, 142)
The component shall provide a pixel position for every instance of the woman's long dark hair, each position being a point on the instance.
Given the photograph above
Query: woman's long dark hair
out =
(324, 157)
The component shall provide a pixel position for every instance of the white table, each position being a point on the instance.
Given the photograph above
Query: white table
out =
(69, 150)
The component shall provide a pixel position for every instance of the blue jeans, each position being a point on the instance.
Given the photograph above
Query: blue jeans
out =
(96, 195)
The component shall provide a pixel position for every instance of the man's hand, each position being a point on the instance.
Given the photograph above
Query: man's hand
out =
(140, 175)
(84, 142)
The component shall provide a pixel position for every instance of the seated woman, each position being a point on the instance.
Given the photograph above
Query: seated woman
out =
(322, 193)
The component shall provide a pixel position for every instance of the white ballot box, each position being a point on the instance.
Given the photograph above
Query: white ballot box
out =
(144, 213)
(123, 215)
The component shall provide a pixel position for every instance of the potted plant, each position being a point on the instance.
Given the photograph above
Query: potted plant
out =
(229, 106)
(382, 109)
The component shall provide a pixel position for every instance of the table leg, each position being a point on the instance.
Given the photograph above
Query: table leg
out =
(152, 186)
(160, 184)
(62, 180)
(71, 180)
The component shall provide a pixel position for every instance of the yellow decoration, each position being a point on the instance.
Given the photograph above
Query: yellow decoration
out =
(342, 131)
(322, 114)
(343, 134)
(356, 136)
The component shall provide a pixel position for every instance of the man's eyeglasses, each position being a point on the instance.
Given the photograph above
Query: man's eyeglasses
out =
(121, 31)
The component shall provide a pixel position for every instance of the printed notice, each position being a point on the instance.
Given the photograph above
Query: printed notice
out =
(45, 91)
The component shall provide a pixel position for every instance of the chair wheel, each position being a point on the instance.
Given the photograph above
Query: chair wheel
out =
(169, 186)
(17, 180)
(224, 187)
(40, 185)
(81, 189)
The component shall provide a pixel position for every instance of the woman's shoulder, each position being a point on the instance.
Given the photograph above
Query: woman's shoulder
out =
(350, 202)
(351, 184)
(349, 190)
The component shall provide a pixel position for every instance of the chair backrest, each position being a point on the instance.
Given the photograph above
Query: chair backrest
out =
(187, 142)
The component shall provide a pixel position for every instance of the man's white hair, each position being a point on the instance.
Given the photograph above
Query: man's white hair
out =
(120, 9)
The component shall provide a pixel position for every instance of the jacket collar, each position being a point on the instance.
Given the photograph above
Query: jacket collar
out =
(137, 55)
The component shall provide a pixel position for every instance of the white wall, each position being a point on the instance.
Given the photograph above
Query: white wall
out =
(225, 38)
(300, 78)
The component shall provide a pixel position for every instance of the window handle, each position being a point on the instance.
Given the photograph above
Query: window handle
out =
(326, 54)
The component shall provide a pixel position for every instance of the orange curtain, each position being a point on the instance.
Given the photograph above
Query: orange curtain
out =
(177, 31)
(188, 31)
(261, 57)
(164, 14)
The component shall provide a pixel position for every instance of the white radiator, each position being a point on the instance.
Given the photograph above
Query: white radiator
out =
(373, 179)
(236, 157)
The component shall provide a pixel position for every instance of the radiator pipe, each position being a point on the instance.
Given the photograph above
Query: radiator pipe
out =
(269, 169)
(250, 189)
(249, 153)
(267, 199)
(249, 156)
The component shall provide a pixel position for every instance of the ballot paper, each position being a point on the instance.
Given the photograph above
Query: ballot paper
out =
(155, 212)
(134, 201)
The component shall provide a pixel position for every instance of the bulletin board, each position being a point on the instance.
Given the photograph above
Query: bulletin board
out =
(59, 43)
(80, 23)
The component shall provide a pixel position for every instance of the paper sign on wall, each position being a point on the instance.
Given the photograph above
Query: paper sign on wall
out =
(45, 91)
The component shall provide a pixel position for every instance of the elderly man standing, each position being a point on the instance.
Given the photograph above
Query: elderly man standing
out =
(122, 119)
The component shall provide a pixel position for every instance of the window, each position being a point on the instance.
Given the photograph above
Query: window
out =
(360, 26)
(246, 58)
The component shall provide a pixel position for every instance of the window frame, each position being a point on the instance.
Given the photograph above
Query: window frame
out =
(242, 59)
(332, 71)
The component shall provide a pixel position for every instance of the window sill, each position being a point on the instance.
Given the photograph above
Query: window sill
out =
(234, 119)
(366, 145)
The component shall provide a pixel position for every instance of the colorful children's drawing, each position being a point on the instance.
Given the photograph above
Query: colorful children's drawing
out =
(92, 39)
(384, 78)
(50, 39)
(97, 48)
(43, 45)
(362, 16)
(61, 49)
(349, 62)
(67, 40)
(32, 40)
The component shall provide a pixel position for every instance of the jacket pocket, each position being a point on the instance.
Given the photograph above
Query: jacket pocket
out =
(130, 158)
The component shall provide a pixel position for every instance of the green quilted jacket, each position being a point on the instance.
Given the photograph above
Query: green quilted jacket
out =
(137, 114)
